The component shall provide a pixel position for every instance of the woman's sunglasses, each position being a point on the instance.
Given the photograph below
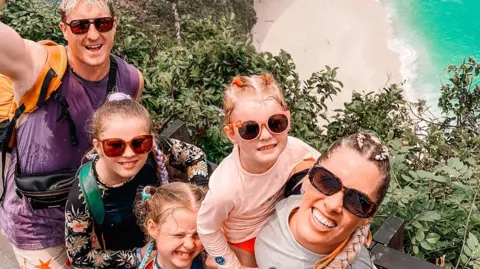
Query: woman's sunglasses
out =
(354, 201)
(114, 147)
(102, 25)
(250, 130)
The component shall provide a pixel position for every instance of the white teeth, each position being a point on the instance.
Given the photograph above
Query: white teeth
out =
(183, 254)
(320, 218)
(267, 147)
(93, 47)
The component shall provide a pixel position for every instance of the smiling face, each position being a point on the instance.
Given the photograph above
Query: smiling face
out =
(258, 155)
(93, 48)
(177, 239)
(321, 223)
(129, 163)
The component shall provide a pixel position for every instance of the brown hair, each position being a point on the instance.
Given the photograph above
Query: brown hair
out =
(369, 146)
(264, 86)
(179, 194)
(66, 6)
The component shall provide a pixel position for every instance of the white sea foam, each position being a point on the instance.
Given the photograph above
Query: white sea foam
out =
(414, 58)
(407, 53)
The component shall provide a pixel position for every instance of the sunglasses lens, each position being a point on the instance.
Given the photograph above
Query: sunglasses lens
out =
(358, 203)
(113, 147)
(278, 123)
(79, 26)
(104, 24)
(249, 130)
(143, 144)
(324, 181)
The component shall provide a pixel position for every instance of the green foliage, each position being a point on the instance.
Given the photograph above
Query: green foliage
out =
(435, 178)
(383, 112)
(461, 96)
(34, 19)
(158, 15)
(436, 161)
(188, 79)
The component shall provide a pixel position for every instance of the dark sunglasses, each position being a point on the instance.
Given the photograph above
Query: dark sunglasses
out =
(114, 147)
(102, 25)
(250, 130)
(354, 201)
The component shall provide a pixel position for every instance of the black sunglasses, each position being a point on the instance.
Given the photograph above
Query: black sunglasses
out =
(356, 202)
(102, 25)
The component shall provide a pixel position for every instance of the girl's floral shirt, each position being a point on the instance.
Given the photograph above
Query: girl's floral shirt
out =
(82, 245)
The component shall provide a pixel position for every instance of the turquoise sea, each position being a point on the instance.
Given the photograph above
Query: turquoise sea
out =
(429, 35)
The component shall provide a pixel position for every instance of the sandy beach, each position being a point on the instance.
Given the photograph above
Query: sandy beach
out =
(349, 34)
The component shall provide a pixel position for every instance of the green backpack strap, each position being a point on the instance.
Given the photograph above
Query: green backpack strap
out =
(91, 192)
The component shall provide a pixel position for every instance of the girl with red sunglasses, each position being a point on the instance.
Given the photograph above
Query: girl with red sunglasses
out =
(102, 230)
(328, 225)
(247, 184)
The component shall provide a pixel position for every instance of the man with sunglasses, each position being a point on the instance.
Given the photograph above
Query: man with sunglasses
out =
(327, 223)
(43, 143)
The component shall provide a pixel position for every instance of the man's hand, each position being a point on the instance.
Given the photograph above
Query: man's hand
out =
(2, 3)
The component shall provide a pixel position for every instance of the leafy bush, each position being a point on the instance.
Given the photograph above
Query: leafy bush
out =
(189, 78)
(435, 178)
(35, 20)
(158, 15)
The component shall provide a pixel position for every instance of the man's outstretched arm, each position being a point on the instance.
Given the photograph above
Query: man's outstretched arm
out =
(21, 60)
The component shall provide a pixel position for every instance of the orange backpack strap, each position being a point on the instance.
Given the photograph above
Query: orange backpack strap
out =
(7, 103)
(49, 79)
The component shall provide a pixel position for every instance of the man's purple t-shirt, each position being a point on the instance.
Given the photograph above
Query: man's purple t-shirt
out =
(43, 145)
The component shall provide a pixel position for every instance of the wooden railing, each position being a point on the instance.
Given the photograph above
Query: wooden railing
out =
(387, 246)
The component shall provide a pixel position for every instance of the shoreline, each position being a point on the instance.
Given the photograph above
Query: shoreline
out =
(353, 35)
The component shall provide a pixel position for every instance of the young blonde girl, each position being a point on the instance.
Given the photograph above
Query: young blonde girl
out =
(101, 228)
(168, 215)
(248, 183)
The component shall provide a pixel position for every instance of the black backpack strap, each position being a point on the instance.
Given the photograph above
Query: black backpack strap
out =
(60, 99)
(46, 83)
(11, 127)
(112, 75)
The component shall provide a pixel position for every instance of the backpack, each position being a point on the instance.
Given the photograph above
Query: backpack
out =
(43, 190)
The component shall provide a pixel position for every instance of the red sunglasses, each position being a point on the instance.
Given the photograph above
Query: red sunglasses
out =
(356, 202)
(102, 25)
(114, 147)
(250, 130)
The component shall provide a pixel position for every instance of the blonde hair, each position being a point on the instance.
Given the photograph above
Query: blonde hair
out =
(349, 252)
(165, 199)
(66, 6)
(263, 86)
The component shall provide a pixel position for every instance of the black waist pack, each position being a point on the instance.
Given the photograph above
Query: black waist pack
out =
(45, 190)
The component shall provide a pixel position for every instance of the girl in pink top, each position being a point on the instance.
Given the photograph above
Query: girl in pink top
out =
(250, 181)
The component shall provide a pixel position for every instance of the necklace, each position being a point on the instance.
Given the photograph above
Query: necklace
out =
(147, 255)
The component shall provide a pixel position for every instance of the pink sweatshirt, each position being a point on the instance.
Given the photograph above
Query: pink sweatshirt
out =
(238, 203)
